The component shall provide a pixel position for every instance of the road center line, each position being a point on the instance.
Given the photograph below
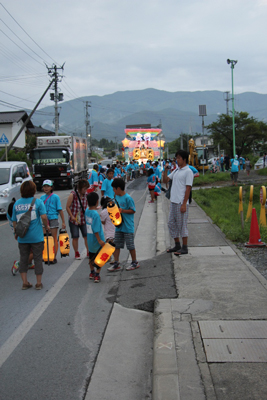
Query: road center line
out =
(18, 335)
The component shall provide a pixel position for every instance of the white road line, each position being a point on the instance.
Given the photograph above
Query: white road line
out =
(18, 335)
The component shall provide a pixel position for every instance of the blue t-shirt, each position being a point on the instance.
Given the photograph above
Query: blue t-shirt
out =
(107, 188)
(158, 173)
(10, 222)
(35, 231)
(93, 178)
(151, 181)
(235, 165)
(93, 225)
(52, 205)
(126, 203)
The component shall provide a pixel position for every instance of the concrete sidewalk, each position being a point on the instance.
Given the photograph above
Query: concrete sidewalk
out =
(210, 342)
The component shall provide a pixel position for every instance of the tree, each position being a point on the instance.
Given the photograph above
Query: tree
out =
(249, 133)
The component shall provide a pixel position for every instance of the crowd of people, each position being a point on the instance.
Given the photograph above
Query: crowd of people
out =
(87, 213)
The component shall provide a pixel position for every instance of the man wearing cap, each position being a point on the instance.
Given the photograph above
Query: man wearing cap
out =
(234, 169)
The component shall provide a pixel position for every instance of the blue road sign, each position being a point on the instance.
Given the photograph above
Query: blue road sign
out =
(4, 139)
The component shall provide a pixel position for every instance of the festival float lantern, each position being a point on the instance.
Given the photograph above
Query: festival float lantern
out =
(104, 255)
(125, 143)
(64, 243)
(49, 250)
(114, 213)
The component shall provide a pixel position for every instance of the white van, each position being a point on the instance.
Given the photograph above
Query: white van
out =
(12, 175)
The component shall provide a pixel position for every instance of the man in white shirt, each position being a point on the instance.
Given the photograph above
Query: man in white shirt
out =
(182, 181)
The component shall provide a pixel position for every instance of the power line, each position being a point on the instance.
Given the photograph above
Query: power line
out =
(26, 33)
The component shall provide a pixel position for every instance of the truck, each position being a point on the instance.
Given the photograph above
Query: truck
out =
(62, 159)
(198, 156)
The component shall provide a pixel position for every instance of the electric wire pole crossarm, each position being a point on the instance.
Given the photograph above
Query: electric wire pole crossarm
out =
(27, 120)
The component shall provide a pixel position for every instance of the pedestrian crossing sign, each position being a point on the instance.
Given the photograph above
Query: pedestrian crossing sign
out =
(4, 139)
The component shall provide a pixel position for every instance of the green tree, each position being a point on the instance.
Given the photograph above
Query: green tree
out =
(249, 133)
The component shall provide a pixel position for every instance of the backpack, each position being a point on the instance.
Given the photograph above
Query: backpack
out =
(24, 222)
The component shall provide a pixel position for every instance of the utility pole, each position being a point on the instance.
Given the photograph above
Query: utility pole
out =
(56, 97)
(227, 98)
(88, 127)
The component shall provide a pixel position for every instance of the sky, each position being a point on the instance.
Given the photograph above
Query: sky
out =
(116, 45)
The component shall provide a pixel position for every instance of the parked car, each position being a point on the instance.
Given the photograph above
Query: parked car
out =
(259, 163)
(12, 175)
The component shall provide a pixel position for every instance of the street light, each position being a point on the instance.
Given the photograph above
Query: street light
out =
(233, 63)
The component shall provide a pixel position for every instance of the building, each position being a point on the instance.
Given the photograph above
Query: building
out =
(39, 131)
(10, 124)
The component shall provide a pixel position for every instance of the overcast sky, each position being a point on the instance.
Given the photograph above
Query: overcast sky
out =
(117, 45)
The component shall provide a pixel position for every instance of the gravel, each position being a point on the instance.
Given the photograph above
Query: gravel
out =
(256, 256)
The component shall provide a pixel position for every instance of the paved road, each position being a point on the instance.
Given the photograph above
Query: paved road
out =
(49, 339)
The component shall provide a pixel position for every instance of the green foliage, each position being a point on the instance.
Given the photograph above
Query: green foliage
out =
(249, 133)
(222, 205)
(16, 156)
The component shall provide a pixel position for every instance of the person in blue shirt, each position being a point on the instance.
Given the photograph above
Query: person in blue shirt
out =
(157, 171)
(234, 169)
(53, 209)
(151, 182)
(124, 232)
(93, 180)
(106, 189)
(129, 169)
(101, 177)
(34, 238)
(95, 234)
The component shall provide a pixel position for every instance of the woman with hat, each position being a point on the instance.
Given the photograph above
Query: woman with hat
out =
(53, 209)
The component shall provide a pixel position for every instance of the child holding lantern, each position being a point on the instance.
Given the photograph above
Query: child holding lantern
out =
(95, 234)
(124, 232)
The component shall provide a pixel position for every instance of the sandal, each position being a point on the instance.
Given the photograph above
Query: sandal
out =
(39, 286)
(26, 286)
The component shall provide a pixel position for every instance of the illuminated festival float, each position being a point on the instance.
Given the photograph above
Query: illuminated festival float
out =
(142, 143)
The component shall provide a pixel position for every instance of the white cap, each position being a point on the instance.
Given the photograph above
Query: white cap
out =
(48, 182)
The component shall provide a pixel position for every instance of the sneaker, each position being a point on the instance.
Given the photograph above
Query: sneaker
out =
(134, 265)
(77, 255)
(15, 268)
(97, 279)
(114, 267)
(31, 266)
(92, 275)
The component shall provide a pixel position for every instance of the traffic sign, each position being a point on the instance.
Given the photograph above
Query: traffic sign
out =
(4, 139)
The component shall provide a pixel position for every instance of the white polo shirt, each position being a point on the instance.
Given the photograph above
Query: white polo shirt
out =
(181, 177)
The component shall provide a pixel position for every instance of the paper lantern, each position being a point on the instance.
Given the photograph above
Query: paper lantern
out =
(125, 142)
(104, 255)
(64, 243)
(114, 213)
(49, 250)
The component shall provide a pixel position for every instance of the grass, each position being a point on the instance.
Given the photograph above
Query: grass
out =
(211, 177)
(262, 172)
(222, 205)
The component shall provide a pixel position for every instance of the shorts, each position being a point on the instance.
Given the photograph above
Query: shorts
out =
(151, 190)
(92, 256)
(53, 223)
(74, 230)
(37, 249)
(121, 237)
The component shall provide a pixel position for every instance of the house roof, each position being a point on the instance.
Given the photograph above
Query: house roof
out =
(9, 117)
(38, 130)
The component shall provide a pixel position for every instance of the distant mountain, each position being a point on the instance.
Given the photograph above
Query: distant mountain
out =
(177, 111)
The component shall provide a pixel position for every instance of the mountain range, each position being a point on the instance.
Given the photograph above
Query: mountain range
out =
(176, 111)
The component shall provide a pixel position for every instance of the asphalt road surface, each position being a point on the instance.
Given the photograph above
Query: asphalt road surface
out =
(50, 339)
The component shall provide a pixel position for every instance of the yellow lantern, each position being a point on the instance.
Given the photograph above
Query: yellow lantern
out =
(104, 255)
(150, 154)
(49, 250)
(64, 243)
(136, 154)
(114, 213)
